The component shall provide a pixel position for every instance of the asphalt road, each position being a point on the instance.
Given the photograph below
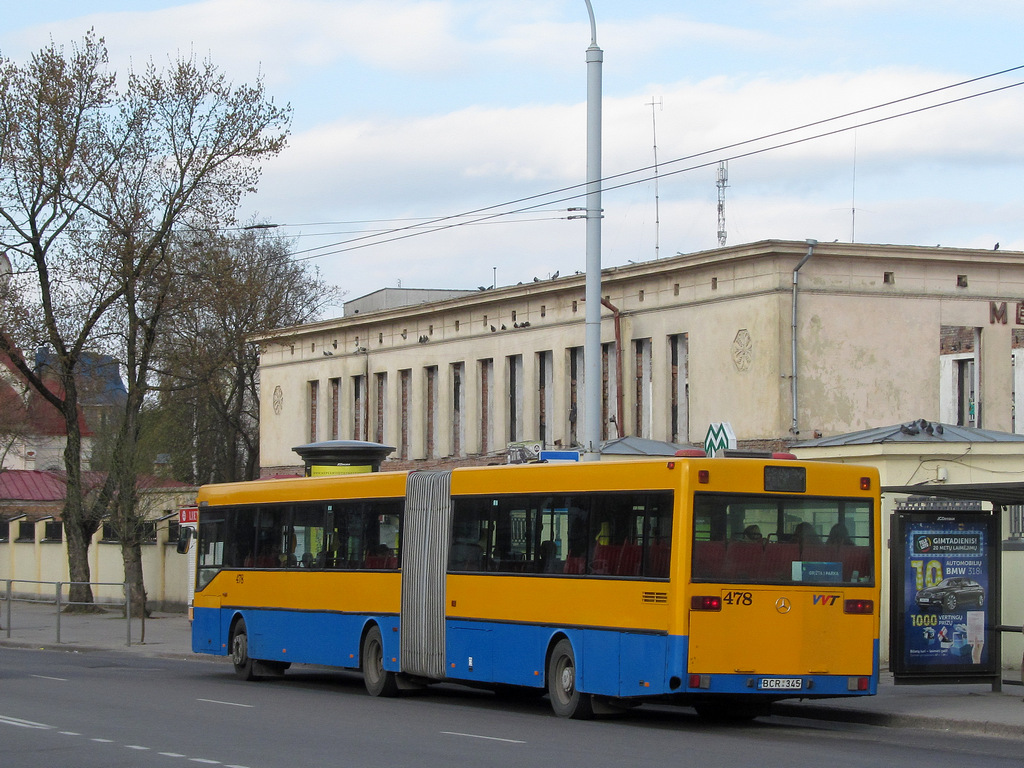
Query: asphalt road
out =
(107, 710)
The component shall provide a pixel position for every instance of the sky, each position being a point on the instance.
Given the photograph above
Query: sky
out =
(441, 143)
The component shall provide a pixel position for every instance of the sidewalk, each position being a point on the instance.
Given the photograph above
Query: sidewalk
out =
(967, 709)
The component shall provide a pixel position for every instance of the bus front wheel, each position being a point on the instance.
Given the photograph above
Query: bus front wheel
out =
(378, 681)
(244, 667)
(566, 700)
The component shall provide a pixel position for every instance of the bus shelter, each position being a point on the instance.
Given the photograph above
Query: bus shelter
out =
(946, 581)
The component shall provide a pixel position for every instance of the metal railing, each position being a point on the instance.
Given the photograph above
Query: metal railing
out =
(59, 602)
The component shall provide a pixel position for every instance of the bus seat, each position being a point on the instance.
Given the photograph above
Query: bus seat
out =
(708, 557)
(574, 564)
(605, 559)
(659, 560)
(855, 558)
(777, 562)
(743, 560)
(819, 553)
(629, 560)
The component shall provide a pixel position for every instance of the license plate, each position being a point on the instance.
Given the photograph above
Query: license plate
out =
(780, 683)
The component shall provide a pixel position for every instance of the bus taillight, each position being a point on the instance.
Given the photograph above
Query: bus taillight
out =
(859, 606)
(857, 683)
(865, 483)
(705, 603)
(700, 681)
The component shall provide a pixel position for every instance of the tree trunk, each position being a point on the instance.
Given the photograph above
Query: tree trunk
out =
(78, 526)
(131, 555)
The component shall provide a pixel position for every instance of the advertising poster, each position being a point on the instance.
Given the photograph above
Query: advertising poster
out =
(945, 591)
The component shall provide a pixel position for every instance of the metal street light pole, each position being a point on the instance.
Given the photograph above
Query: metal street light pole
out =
(592, 338)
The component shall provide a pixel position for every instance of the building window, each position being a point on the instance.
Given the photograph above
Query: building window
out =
(545, 394)
(54, 531)
(382, 397)
(458, 406)
(360, 409)
(576, 385)
(515, 398)
(959, 369)
(314, 396)
(609, 392)
(405, 387)
(486, 368)
(26, 531)
(888, 278)
(335, 431)
(429, 432)
(109, 535)
(642, 380)
(679, 387)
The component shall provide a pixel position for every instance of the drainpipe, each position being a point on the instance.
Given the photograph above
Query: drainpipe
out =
(617, 321)
(796, 281)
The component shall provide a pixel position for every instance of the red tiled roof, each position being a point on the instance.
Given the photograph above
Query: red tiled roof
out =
(37, 485)
(31, 485)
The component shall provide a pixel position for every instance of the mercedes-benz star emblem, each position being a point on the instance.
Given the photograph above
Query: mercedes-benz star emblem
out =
(782, 605)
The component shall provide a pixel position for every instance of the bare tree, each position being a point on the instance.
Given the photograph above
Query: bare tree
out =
(245, 284)
(94, 186)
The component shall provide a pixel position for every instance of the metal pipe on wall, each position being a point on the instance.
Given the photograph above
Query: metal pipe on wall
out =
(793, 379)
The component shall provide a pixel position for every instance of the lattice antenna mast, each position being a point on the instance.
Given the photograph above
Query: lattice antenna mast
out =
(657, 213)
(723, 182)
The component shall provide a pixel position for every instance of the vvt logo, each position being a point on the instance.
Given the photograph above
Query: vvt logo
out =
(825, 599)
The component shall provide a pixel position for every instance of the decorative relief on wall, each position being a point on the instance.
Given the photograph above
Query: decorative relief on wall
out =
(278, 400)
(742, 350)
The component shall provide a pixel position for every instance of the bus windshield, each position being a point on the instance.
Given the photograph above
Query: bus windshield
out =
(746, 538)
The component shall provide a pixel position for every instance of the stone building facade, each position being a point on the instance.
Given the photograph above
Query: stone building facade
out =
(785, 340)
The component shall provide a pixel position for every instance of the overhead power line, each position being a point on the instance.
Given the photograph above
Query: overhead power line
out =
(576, 191)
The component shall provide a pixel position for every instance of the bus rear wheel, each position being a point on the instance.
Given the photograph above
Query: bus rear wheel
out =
(244, 666)
(378, 681)
(566, 700)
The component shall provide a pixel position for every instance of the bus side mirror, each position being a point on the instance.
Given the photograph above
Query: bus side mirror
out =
(185, 536)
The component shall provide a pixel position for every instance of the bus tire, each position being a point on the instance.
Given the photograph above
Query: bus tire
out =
(566, 700)
(245, 669)
(378, 681)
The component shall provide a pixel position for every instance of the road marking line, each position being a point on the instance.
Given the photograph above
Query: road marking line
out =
(135, 746)
(24, 723)
(486, 738)
(47, 677)
(170, 754)
(103, 741)
(69, 733)
(204, 761)
(228, 703)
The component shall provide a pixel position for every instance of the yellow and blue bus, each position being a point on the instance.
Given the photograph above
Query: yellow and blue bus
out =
(718, 583)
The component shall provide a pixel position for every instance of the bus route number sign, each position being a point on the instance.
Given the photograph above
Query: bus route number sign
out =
(737, 598)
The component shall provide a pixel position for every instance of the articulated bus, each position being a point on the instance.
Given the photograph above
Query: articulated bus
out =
(719, 583)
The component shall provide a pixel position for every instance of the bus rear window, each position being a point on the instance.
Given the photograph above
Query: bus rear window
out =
(750, 539)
